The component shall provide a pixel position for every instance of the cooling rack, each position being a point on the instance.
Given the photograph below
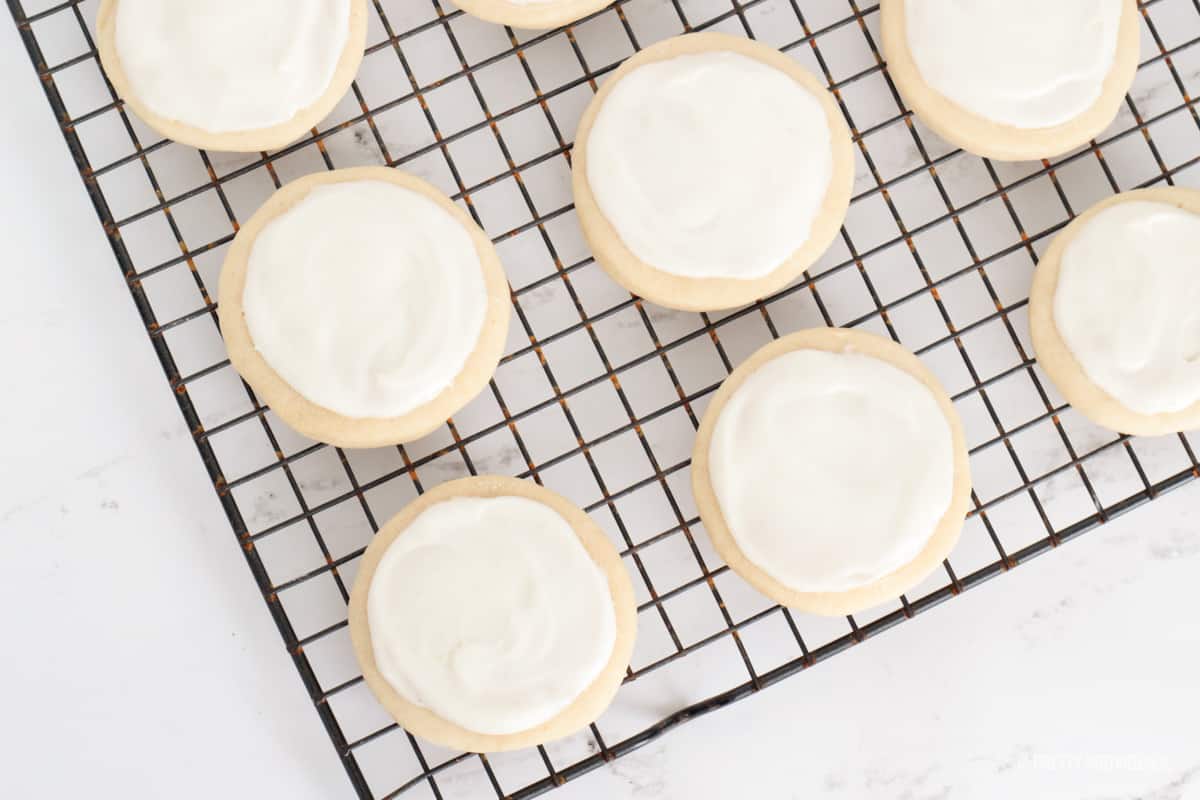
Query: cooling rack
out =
(599, 394)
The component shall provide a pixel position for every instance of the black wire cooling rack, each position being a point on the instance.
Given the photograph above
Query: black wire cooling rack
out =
(599, 394)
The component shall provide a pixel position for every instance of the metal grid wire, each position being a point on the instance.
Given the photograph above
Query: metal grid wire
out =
(599, 394)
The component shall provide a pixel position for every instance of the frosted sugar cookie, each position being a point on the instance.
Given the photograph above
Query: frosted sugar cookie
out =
(1012, 79)
(239, 75)
(831, 471)
(1115, 312)
(533, 14)
(491, 614)
(710, 171)
(363, 306)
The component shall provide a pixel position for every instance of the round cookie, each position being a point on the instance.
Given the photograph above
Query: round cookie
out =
(709, 288)
(998, 136)
(531, 14)
(270, 136)
(359, 429)
(831, 586)
(585, 706)
(1062, 364)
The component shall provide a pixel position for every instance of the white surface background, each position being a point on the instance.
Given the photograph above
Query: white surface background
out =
(139, 660)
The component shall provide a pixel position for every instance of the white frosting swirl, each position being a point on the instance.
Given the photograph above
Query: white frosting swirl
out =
(230, 65)
(490, 612)
(1127, 304)
(710, 165)
(1025, 63)
(366, 297)
(831, 469)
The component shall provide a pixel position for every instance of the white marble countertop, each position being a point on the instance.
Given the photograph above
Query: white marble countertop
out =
(140, 660)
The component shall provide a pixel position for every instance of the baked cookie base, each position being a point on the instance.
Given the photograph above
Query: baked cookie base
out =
(710, 294)
(990, 139)
(1057, 359)
(247, 141)
(318, 422)
(941, 540)
(587, 706)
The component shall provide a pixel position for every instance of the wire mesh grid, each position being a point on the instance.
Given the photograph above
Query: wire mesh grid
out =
(599, 394)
